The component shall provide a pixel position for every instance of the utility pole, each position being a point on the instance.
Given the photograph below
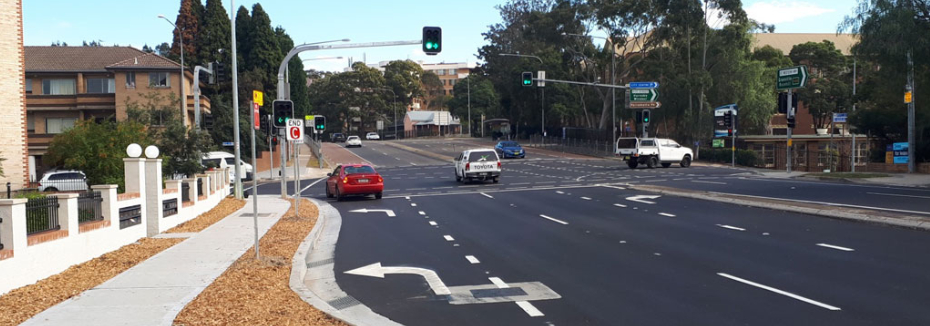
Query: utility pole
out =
(911, 140)
(789, 116)
(235, 106)
(468, 85)
(852, 150)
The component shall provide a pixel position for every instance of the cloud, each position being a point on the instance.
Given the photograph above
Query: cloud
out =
(777, 12)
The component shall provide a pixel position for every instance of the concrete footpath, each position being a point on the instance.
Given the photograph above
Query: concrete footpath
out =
(155, 291)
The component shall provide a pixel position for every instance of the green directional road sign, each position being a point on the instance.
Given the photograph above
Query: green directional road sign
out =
(644, 95)
(794, 77)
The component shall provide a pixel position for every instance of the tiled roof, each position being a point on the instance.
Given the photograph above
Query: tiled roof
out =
(148, 60)
(786, 41)
(87, 58)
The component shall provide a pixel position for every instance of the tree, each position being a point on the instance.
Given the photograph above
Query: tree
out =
(147, 49)
(214, 34)
(484, 100)
(97, 149)
(403, 77)
(163, 49)
(178, 145)
(188, 31)
(265, 53)
(434, 91)
(243, 41)
(829, 90)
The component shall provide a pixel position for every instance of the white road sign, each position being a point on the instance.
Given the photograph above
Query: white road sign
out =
(295, 130)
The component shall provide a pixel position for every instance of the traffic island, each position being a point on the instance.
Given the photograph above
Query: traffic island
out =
(846, 213)
(257, 292)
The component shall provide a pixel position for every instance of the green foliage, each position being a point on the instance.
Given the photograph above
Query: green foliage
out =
(744, 157)
(97, 149)
(178, 144)
(214, 34)
(484, 100)
(829, 90)
(403, 77)
(297, 76)
(188, 31)
(434, 90)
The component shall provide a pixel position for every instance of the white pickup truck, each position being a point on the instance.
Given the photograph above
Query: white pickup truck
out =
(478, 164)
(652, 152)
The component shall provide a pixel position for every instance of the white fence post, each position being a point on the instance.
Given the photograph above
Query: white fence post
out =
(110, 211)
(153, 196)
(68, 212)
(13, 226)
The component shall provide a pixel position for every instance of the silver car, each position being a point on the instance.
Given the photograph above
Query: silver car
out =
(63, 180)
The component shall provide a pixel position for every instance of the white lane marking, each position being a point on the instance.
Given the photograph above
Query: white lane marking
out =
(679, 179)
(899, 195)
(586, 198)
(731, 227)
(433, 223)
(530, 309)
(421, 213)
(519, 183)
(713, 182)
(414, 164)
(788, 294)
(560, 192)
(486, 195)
(615, 187)
(831, 204)
(407, 197)
(448, 238)
(667, 214)
(620, 205)
(835, 247)
(500, 283)
(442, 188)
(472, 259)
(413, 204)
(640, 198)
(553, 219)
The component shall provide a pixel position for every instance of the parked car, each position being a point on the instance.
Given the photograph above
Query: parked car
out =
(223, 160)
(337, 137)
(652, 152)
(372, 136)
(354, 179)
(477, 164)
(353, 141)
(507, 149)
(63, 180)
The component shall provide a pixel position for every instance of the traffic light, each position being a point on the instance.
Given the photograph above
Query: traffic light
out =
(282, 112)
(639, 116)
(527, 78)
(432, 40)
(208, 121)
(211, 78)
(728, 119)
(219, 71)
(791, 122)
(319, 122)
(274, 140)
(263, 122)
(783, 102)
(646, 116)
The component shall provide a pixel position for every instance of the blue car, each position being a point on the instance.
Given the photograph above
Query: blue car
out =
(507, 149)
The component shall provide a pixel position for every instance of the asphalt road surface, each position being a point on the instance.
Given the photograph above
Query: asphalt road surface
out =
(562, 241)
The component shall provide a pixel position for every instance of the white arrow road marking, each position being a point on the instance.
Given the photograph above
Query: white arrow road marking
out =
(525, 305)
(731, 227)
(472, 259)
(376, 270)
(788, 294)
(835, 247)
(553, 219)
(639, 198)
(365, 210)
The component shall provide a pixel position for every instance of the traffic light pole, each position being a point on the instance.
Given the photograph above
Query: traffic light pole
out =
(788, 148)
(235, 107)
(196, 90)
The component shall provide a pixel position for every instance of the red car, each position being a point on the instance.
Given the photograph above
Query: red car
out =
(354, 179)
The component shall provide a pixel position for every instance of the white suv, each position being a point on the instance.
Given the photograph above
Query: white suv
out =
(478, 164)
(353, 141)
(63, 180)
(372, 136)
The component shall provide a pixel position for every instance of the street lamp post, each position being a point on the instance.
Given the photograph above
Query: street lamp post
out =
(613, 80)
(542, 105)
(181, 77)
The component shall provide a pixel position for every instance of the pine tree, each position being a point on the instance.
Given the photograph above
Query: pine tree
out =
(265, 53)
(214, 34)
(188, 28)
(243, 42)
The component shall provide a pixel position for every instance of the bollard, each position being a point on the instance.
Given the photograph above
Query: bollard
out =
(9, 193)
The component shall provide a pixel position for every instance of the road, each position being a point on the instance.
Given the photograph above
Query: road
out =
(563, 241)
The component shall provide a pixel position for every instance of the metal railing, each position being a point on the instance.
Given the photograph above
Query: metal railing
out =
(42, 215)
(129, 216)
(169, 207)
(185, 191)
(89, 207)
(199, 187)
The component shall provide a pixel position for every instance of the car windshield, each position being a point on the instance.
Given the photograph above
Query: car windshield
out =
(626, 143)
(482, 156)
(230, 160)
(353, 137)
(509, 144)
(358, 169)
(211, 163)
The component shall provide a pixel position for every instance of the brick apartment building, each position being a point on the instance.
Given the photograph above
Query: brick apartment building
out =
(13, 115)
(64, 84)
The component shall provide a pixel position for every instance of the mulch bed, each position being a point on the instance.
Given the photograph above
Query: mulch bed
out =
(226, 207)
(257, 292)
(21, 304)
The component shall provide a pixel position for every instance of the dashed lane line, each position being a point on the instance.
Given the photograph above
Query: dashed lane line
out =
(784, 293)
(471, 259)
(731, 227)
(835, 247)
(554, 219)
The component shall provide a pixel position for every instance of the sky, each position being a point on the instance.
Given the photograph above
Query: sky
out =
(136, 23)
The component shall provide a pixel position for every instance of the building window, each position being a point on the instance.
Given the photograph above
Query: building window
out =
(28, 86)
(451, 72)
(766, 153)
(30, 123)
(800, 154)
(440, 72)
(58, 125)
(131, 79)
(862, 153)
(452, 82)
(159, 79)
(101, 86)
(58, 87)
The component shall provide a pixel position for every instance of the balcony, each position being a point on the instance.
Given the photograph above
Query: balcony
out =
(70, 102)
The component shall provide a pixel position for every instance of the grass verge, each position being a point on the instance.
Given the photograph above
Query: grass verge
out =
(847, 175)
(257, 292)
(227, 206)
(23, 303)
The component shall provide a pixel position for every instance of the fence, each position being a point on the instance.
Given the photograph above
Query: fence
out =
(185, 191)
(169, 207)
(89, 207)
(42, 215)
(199, 187)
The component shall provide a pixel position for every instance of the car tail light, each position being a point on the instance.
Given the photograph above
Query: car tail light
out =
(345, 180)
(380, 180)
(498, 165)
(467, 166)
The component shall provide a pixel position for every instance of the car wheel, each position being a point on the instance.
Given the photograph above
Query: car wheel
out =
(686, 161)
(378, 195)
(666, 165)
(632, 164)
(652, 162)
(50, 189)
(338, 195)
(328, 194)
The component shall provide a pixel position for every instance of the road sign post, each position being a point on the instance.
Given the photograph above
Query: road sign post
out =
(788, 79)
(295, 136)
(255, 121)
